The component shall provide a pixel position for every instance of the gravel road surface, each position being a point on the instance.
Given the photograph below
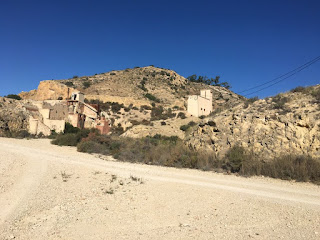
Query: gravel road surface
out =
(50, 192)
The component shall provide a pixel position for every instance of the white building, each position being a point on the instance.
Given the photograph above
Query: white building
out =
(77, 96)
(200, 105)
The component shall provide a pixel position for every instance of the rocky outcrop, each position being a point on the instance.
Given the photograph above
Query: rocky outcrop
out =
(14, 117)
(20, 118)
(288, 123)
(48, 90)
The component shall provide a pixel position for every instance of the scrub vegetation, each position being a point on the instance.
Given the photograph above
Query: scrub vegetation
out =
(172, 152)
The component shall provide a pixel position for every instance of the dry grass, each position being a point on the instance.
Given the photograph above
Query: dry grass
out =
(172, 152)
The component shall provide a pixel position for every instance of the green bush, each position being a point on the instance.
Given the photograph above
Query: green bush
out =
(69, 139)
(117, 130)
(21, 134)
(69, 84)
(292, 167)
(210, 81)
(234, 158)
(142, 85)
(316, 94)
(152, 98)
(89, 147)
(250, 101)
(279, 102)
(68, 128)
(145, 107)
(71, 136)
(184, 127)
(116, 107)
(86, 84)
(13, 96)
(181, 115)
(157, 113)
(298, 89)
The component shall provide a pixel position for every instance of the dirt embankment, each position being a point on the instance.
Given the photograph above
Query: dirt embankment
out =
(51, 192)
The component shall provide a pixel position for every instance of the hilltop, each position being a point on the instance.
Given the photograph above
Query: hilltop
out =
(137, 86)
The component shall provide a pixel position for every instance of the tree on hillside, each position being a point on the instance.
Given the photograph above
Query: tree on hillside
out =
(13, 96)
(209, 81)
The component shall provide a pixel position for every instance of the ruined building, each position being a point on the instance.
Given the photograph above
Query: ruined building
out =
(83, 115)
(51, 115)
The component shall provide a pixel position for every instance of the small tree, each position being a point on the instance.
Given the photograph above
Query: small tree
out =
(209, 81)
(13, 96)
(86, 84)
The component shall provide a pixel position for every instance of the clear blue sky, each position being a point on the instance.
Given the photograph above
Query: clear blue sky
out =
(245, 42)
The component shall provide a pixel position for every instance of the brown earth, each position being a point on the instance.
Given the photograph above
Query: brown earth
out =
(51, 192)
(126, 87)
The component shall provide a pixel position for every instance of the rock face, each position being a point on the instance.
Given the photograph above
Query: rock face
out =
(48, 90)
(288, 123)
(169, 127)
(18, 118)
(13, 117)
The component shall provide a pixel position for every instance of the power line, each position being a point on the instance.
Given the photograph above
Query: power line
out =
(282, 77)
(298, 69)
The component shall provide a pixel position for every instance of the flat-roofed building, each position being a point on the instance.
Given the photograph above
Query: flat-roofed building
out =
(200, 105)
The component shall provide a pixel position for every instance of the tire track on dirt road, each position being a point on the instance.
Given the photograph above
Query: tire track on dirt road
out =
(275, 191)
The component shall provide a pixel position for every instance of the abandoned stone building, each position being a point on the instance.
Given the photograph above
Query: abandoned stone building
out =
(83, 115)
(51, 115)
(200, 105)
(47, 116)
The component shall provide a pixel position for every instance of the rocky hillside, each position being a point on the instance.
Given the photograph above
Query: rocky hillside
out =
(286, 123)
(137, 86)
(13, 117)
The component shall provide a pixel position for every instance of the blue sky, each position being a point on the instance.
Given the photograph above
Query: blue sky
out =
(245, 42)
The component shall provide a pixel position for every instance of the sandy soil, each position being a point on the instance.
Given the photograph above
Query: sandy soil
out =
(51, 192)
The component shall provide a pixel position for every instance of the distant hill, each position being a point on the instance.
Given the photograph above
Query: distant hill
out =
(137, 86)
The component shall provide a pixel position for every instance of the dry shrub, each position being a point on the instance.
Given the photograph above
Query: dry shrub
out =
(156, 150)
(69, 139)
(71, 136)
(172, 152)
(288, 167)
(293, 167)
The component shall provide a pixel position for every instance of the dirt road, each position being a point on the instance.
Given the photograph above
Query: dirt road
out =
(51, 192)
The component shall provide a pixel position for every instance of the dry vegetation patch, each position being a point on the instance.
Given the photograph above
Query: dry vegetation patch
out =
(172, 152)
